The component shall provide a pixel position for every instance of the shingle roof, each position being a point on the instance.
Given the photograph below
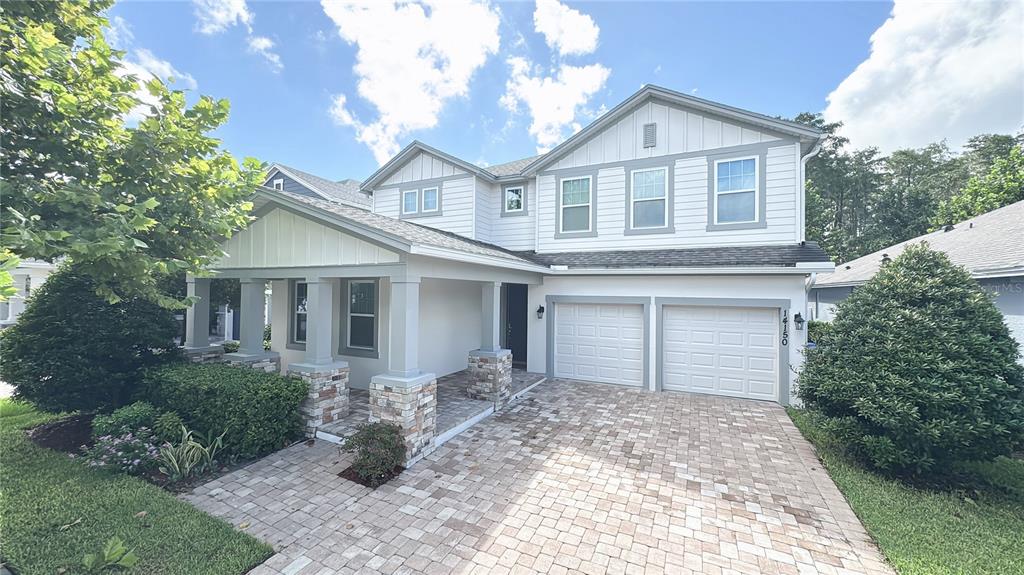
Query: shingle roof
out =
(738, 256)
(344, 190)
(990, 245)
(405, 230)
(512, 168)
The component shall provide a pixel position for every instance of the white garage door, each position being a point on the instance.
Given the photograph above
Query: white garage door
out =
(721, 350)
(600, 342)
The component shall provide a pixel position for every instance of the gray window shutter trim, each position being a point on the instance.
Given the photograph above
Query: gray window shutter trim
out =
(650, 135)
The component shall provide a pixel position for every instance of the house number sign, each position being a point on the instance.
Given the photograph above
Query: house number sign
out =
(785, 327)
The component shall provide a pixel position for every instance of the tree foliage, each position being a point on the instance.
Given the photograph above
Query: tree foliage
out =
(1001, 186)
(127, 203)
(73, 350)
(918, 369)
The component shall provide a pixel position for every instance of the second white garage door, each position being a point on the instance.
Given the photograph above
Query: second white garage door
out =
(600, 342)
(721, 350)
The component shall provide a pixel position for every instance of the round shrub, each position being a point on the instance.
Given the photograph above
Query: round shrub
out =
(918, 369)
(168, 427)
(125, 419)
(379, 449)
(71, 350)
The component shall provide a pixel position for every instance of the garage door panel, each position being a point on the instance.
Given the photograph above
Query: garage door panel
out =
(721, 350)
(600, 342)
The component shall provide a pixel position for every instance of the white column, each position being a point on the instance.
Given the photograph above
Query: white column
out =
(490, 319)
(251, 321)
(405, 328)
(319, 314)
(197, 316)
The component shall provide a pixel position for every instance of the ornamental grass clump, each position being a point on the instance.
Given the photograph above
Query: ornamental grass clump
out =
(918, 370)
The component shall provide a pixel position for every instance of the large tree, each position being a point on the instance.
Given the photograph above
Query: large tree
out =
(126, 203)
(1001, 186)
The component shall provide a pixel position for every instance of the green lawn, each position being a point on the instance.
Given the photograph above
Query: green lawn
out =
(42, 490)
(971, 531)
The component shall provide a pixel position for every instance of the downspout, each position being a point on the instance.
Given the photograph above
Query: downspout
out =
(803, 186)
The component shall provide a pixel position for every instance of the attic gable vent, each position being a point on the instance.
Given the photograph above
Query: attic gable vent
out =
(650, 135)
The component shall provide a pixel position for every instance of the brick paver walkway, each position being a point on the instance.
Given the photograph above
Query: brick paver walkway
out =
(575, 478)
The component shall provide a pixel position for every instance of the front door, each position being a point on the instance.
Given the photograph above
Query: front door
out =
(515, 323)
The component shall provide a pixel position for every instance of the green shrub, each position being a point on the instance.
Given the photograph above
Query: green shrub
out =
(230, 346)
(133, 452)
(258, 410)
(266, 337)
(125, 419)
(918, 369)
(73, 351)
(816, 330)
(168, 426)
(379, 449)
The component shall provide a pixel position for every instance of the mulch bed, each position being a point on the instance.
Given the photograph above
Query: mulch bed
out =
(67, 435)
(350, 474)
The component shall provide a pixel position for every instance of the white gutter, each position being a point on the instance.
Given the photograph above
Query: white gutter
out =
(803, 187)
(810, 282)
(738, 270)
(460, 256)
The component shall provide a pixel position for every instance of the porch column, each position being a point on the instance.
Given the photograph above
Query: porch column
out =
(327, 399)
(405, 395)
(250, 349)
(197, 323)
(490, 367)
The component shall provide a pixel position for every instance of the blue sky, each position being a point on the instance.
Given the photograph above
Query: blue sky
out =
(292, 71)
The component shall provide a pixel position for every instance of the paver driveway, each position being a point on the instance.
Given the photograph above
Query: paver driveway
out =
(575, 478)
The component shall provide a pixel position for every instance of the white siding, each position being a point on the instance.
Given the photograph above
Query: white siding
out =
(691, 209)
(422, 166)
(486, 206)
(517, 232)
(678, 131)
(283, 239)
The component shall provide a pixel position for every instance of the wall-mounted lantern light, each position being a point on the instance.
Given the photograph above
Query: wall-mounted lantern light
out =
(798, 321)
(540, 312)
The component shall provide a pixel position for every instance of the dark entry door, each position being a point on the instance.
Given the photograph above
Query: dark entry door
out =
(515, 323)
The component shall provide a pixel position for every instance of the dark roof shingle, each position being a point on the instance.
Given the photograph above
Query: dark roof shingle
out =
(736, 256)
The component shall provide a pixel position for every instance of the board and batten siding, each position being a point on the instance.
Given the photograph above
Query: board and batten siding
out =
(422, 166)
(514, 232)
(678, 131)
(457, 205)
(284, 239)
(690, 207)
(485, 211)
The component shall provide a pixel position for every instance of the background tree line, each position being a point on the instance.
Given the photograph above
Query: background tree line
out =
(859, 201)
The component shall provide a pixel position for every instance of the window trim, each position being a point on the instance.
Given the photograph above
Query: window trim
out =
(631, 199)
(293, 292)
(416, 209)
(344, 347)
(275, 185)
(754, 190)
(760, 186)
(590, 205)
(423, 200)
(522, 200)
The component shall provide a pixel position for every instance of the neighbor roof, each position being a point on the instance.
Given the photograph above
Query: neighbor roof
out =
(989, 245)
(343, 190)
(735, 256)
(513, 168)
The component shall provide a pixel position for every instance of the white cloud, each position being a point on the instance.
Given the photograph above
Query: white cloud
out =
(936, 70)
(567, 31)
(215, 16)
(118, 33)
(265, 47)
(411, 59)
(556, 98)
(145, 66)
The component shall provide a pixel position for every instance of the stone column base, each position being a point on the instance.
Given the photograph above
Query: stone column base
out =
(209, 354)
(410, 403)
(327, 399)
(269, 362)
(490, 376)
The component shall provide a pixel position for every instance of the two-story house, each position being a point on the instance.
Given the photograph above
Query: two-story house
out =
(661, 247)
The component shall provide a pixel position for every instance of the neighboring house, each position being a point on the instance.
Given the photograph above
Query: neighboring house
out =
(990, 246)
(29, 275)
(661, 247)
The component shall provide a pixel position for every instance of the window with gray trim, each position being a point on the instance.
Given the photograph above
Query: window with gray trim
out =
(430, 199)
(278, 184)
(410, 201)
(300, 293)
(515, 199)
(648, 202)
(576, 204)
(736, 193)
(360, 327)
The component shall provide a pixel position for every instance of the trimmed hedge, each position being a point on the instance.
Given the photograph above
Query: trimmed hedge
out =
(258, 410)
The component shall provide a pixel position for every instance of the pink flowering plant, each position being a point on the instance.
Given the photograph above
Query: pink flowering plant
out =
(131, 452)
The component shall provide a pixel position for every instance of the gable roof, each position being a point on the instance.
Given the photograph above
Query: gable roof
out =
(409, 151)
(346, 191)
(989, 245)
(513, 168)
(806, 134)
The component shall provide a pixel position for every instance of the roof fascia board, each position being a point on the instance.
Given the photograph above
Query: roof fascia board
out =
(711, 271)
(417, 146)
(455, 255)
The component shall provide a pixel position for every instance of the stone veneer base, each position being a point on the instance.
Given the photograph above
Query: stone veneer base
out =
(269, 362)
(208, 354)
(490, 376)
(327, 398)
(410, 403)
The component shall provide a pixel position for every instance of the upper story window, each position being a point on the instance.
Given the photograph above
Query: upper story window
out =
(430, 199)
(300, 292)
(735, 198)
(576, 205)
(279, 184)
(410, 201)
(514, 199)
(649, 198)
(362, 315)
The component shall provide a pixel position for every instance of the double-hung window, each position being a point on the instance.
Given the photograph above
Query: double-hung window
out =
(362, 315)
(514, 199)
(410, 201)
(648, 200)
(300, 293)
(576, 205)
(736, 191)
(429, 199)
